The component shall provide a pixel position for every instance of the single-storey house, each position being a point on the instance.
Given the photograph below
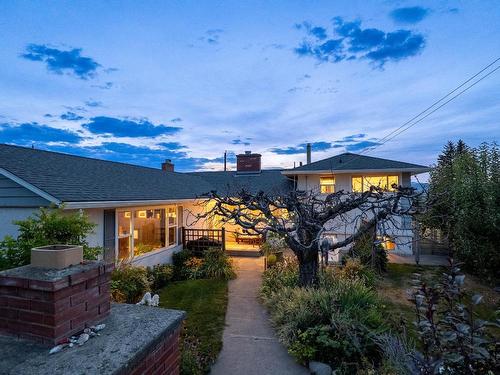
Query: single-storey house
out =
(139, 212)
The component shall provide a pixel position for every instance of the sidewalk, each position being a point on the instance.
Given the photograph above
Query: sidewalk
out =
(249, 344)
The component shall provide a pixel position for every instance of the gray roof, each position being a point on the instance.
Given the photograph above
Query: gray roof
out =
(70, 178)
(270, 181)
(351, 162)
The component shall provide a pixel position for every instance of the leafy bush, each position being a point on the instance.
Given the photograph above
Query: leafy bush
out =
(160, 275)
(193, 268)
(129, 283)
(363, 249)
(452, 340)
(49, 226)
(11, 255)
(271, 260)
(217, 265)
(335, 323)
(274, 243)
(353, 269)
(178, 262)
(284, 274)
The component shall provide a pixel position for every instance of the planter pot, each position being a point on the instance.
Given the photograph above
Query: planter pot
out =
(56, 256)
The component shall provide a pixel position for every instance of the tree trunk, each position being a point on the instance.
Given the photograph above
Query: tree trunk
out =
(308, 272)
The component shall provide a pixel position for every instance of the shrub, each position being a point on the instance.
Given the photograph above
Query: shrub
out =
(353, 269)
(193, 268)
(335, 323)
(47, 227)
(129, 283)
(283, 274)
(274, 243)
(271, 260)
(217, 265)
(160, 275)
(178, 261)
(362, 250)
(450, 337)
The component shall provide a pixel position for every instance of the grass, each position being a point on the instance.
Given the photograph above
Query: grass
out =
(393, 287)
(205, 302)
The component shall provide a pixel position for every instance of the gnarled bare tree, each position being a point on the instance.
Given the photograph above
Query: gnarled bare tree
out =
(303, 217)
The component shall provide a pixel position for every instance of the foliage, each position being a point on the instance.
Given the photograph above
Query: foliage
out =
(353, 269)
(334, 323)
(363, 250)
(205, 302)
(160, 275)
(271, 260)
(10, 254)
(48, 226)
(466, 205)
(274, 243)
(193, 268)
(217, 265)
(283, 274)
(451, 337)
(178, 261)
(129, 283)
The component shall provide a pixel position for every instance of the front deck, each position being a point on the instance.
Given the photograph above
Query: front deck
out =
(235, 243)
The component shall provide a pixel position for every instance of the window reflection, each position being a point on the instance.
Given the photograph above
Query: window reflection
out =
(149, 230)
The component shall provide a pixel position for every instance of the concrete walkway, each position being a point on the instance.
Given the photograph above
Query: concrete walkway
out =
(249, 343)
(425, 260)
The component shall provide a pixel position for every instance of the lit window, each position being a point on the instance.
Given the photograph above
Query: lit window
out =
(327, 185)
(364, 183)
(144, 230)
(149, 230)
(357, 184)
(124, 240)
(172, 226)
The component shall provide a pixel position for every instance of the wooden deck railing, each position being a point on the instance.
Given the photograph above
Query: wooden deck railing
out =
(199, 240)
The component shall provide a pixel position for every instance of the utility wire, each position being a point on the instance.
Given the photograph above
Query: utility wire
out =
(410, 123)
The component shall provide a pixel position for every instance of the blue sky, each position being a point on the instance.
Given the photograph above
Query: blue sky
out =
(142, 82)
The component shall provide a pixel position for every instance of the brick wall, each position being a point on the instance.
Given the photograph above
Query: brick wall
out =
(164, 358)
(50, 311)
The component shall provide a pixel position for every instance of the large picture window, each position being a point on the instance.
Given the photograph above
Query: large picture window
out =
(149, 230)
(142, 230)
(363, 183)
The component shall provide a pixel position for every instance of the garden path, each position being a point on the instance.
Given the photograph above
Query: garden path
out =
(249, 343)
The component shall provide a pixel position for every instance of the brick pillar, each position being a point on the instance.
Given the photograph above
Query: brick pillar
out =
(51, 305)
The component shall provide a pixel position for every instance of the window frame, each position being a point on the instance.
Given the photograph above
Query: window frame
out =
(386, 176)
(132, 210)
(332, 186)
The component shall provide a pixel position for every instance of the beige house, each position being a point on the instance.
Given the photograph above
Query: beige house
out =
(143, 214)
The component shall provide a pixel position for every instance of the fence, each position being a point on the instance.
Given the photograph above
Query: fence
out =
(199, 240)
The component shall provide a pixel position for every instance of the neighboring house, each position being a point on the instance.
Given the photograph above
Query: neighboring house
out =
(139, 211)
(356, 173)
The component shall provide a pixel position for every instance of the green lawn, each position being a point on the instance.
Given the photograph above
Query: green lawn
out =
(205, 302)
(392, 289)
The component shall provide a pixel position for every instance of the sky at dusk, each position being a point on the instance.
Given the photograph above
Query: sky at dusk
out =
(141, 82)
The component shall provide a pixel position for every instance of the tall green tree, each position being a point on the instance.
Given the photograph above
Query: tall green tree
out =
(465, 191)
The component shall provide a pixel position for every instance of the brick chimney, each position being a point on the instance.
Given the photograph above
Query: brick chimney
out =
(248, 162)
(167, 165)
(308, 153)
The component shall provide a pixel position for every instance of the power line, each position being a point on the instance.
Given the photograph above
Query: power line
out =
(410, 123)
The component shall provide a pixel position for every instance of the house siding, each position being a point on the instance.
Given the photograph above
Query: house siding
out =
(402, 235)
(14, 195)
